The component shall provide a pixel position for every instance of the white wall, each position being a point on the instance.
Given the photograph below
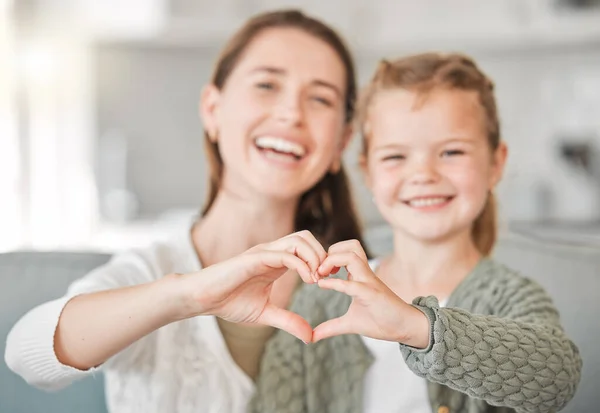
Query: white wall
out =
(150, 96)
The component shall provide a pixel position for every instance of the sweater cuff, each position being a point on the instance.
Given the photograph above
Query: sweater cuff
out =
(428, 306)
(35, 359)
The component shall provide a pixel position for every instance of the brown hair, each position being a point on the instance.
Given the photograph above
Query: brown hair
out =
(423, 73)
(326, 209)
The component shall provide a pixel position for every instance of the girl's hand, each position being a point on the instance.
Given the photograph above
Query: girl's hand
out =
(239, 289)
(375, 310)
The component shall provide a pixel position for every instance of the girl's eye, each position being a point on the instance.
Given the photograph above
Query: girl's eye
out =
(394, 158)
(453, 152)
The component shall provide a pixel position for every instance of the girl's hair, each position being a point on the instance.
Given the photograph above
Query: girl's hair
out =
(424, 73)
(327, 209)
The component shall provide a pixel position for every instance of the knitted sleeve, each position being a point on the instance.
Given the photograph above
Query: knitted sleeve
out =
(519, 357)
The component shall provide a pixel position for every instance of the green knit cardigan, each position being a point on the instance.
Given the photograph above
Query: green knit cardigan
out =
(498, 346)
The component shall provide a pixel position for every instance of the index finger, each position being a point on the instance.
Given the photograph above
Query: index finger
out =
(310, 238)
(281, 259)
(347, 246)
(355, 265)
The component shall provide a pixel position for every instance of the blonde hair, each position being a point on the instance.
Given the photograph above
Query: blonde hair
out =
(422, 74)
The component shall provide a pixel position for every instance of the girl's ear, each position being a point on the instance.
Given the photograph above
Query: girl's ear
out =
(499, 162)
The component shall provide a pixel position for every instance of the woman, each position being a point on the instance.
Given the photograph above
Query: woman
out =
(277, 116)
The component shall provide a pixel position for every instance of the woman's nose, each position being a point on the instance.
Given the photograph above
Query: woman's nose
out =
(289, 109)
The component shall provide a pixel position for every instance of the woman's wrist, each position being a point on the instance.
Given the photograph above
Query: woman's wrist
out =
(177, 297)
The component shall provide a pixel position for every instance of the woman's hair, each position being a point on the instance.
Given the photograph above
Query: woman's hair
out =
(424, 73)
(327, 209)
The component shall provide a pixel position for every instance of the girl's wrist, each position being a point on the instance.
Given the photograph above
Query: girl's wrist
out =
(416, 328)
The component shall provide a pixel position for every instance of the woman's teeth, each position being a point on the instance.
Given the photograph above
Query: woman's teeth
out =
(426, 202)
(281, 146)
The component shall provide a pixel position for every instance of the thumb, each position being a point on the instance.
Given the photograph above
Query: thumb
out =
(332, 328)
(287, 321)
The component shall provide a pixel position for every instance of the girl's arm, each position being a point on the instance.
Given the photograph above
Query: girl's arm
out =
(520, 359)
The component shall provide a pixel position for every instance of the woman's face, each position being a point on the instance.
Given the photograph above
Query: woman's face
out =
(279, 120)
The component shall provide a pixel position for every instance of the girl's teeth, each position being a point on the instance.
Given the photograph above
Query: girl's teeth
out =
(425, 202)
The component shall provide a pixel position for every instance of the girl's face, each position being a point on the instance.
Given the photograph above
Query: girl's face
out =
(279, 120)
(429, 164)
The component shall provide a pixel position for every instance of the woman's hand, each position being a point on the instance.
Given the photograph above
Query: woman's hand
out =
(239, 289)
(375, 310)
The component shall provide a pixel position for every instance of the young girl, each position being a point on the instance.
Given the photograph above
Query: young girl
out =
(485, 338)
(277, 117)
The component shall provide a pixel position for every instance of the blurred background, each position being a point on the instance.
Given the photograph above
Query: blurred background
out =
(101, 144)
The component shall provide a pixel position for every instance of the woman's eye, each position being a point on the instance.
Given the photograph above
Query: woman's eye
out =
(323, 101)
(266, 85)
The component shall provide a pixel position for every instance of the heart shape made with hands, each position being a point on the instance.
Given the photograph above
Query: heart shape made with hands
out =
(375, 310)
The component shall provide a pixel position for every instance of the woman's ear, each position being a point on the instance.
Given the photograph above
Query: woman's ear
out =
(346, 137)
(499, 162)
(209, 105)
(336, 165)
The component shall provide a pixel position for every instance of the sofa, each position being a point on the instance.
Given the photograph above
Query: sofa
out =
(29, 278)
(570, 274)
